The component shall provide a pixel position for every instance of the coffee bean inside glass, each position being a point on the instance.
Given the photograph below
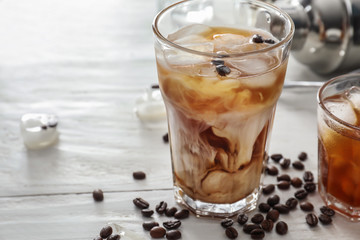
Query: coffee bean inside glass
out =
(339, 144)
(221, 67)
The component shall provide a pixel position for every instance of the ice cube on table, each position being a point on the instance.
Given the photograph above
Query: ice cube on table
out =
(342, 109)
(39, 130)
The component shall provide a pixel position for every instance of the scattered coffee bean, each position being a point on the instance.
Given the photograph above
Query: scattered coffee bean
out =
(257, 218)
(157, 232)
(281, 228)
(282, 208)
(247, 228)
(298, 165)
(149, 225)
(155, 86)
(98, 195)
(147, 212)
(308, 176)
(181, 214)
(291, 203)
(257, 38)
(172, 224)
(274, 199)
(267, 225)
(257, 234)
(161, 207)
(311, 219)
(283, 185)
(227, 222)
(231, 233)
(217, 62)
(285, 163)
(276, 157)
(222, 70)
(284, 177)
(139, 175)
(170, 212)
(272, 170)
(242, 218)
(173, 234)
(306, 206)
(273, 215)
(302, 156)
(141, 203)
(310, 187)
(296, 182)
(327, 211)
(166, 137)
(325, 219)
(269, 41)
(264, 207)
(268, 189)
(114, 237)
(301, 194)
(106, 231)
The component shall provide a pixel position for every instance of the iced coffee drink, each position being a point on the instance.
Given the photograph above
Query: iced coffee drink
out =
(220, 86)
(339, 145)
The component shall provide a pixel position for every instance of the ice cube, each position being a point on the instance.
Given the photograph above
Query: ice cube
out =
(230, 43)
(125, 233)
(353, 95)
(342, 109)
(189, 34)
(39, 130)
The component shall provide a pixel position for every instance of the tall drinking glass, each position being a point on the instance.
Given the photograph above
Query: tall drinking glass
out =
(221, 67)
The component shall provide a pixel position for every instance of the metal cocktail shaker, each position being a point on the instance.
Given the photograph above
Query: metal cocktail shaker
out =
(327, 35)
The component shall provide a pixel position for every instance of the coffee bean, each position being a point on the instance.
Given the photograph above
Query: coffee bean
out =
(247, 228)
(257, 38)
(257, 234)
(242, 218)
(311, 219)
(149, 225)
(301, 194)
(268, 189)
(302, 156)
(157, 232)
(308, 176)
(231, 233)
(139, 175)
(147, 212)
(269, 41)
(257, 218)
(296, 182)
(276, 157)
(284, 177)
(283, 185)
(114, 237)
(264, 207)
(217, 62)
(325, 219)
(267, 225)
(222, 70)
(181, 214)
(161, 207)
(169, 212)
(298, 165)
(106, 231)
(282, 208)
(281, 228)
(165, 138)
(273, 215)
(173, 234)
(274, 199)
(327, 211)
(306, 206)
(141, 203)
(98, 195)
(155, 86)
(272, 170)
(285, 163)
(310, 187)
(291, 203)
(227, 222)
(172, 224)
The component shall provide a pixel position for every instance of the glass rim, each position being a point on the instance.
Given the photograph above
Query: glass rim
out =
(287, 39)
(324, 108)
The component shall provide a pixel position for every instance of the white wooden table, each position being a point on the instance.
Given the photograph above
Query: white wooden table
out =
(88, 61)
